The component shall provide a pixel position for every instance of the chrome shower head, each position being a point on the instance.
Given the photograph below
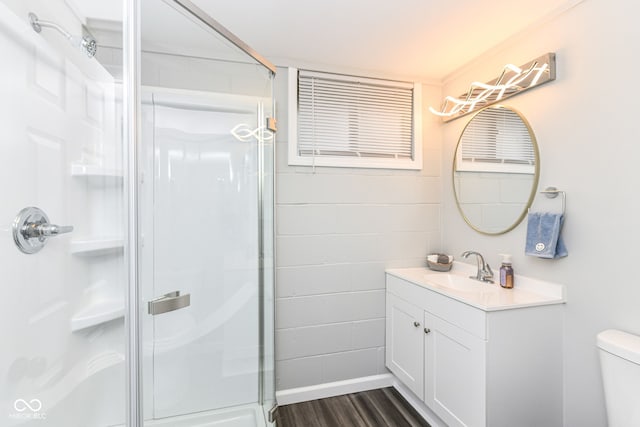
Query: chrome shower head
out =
(87, 44)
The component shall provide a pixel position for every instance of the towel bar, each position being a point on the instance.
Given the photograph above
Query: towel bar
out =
(552, 193)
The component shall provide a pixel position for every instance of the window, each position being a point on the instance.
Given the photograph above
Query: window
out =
(338, 120)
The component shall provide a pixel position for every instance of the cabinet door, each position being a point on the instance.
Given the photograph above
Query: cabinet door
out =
(405, 343)
(454, 373)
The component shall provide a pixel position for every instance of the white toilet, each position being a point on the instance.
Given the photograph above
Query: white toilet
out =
(620, 364)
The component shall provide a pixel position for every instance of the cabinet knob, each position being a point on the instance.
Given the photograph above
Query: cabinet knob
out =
(427, 330)
(416, 324)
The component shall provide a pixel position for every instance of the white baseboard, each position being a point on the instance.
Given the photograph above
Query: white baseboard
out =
(338, 388)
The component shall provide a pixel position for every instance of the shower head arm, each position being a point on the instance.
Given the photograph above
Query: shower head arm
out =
(37, 26)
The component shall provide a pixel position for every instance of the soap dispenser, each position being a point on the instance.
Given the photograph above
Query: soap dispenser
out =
(506, 272)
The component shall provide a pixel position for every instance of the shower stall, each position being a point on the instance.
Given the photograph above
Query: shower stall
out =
(137, 236)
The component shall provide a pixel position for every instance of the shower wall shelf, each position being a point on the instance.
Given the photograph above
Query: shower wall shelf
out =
(93, 171)
(96, 247)
(96, 314)
(98, 175)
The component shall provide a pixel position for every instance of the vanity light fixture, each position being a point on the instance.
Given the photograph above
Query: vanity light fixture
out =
(244, 133)
(512, 81)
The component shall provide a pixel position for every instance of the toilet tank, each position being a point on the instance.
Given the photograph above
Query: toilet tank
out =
(620, 364)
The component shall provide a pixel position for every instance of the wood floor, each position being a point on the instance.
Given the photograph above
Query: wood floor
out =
(376, 408)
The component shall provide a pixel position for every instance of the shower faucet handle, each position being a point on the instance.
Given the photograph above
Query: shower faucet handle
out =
(31, 229)
(45, 230)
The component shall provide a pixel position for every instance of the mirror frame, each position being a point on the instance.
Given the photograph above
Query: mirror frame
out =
(536, 175)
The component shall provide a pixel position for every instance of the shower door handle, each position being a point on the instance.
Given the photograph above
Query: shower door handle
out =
(169, 302)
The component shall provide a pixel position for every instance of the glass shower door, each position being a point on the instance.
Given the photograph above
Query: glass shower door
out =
(203, 240)
(62, 270)
(206, 231)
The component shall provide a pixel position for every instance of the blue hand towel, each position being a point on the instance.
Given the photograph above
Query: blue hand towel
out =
(544, 238)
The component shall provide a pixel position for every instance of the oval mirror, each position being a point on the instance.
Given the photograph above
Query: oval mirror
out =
(495, 170)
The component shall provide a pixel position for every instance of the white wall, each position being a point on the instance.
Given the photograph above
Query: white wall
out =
(337, 230)
(586, 126)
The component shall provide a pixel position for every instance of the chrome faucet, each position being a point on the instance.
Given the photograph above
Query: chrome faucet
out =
(484, 273)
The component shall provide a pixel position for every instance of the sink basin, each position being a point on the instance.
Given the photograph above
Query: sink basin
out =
(459, 283)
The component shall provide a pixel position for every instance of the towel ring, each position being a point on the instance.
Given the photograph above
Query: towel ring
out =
(552, 193)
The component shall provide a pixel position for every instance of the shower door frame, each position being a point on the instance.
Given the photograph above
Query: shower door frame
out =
(132, 123)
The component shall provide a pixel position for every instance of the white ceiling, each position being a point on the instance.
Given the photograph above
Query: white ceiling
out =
(425, 38)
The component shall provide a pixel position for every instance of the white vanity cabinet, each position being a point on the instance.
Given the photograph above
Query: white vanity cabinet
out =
(404, 351)
(454, 367)
(476, 367)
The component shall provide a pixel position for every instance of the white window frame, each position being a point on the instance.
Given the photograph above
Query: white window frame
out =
(294, 159)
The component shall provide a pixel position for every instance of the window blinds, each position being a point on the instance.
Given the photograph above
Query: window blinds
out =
(496, 140)
(342, 116)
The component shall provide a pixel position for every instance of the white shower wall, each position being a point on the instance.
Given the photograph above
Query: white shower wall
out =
(62, 307)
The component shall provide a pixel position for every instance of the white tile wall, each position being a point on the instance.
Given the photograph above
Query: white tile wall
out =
(324, 309)
(304, 371)
(298, 372)
(350, 364)
(330, 338)
(337, 231)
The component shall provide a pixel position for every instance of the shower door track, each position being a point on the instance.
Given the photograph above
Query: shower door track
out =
(194, 10)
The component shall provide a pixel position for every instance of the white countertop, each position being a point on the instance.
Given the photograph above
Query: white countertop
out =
(527, 292)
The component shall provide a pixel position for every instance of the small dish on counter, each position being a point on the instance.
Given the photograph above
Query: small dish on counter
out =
(439, 262)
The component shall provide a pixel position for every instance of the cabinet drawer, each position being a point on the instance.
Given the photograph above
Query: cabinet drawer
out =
(457, 313)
